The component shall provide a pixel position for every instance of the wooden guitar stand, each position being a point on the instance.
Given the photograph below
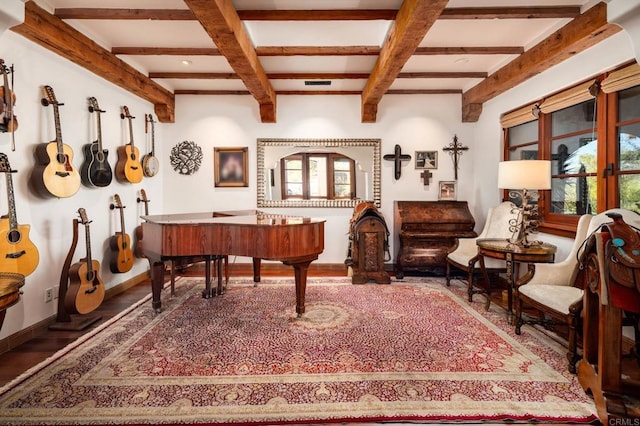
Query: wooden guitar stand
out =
(64, 320)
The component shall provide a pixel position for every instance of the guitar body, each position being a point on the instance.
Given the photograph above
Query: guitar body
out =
(17, 253)
(95, 170)
(128, 167)
(122, 257)
(55, 174)
(86, 289)
(138, 235)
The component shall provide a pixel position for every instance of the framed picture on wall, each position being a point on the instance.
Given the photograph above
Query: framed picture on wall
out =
(230, 167)
(426, 159)
(448, 190)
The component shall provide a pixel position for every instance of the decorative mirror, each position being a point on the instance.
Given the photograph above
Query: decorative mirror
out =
(318, 172)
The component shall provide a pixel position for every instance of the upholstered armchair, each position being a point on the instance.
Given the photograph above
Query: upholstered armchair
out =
(554, 294)
(465, 256)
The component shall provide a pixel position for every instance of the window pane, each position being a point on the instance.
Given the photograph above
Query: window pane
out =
(629, 190)
(573, 119)
(342, 164)
(573, 195)
(293, 164)
(523, 133)
(576, 154)
(294, 189)
(629, 146)
(629, 104)
(317, 176)
(294, 176)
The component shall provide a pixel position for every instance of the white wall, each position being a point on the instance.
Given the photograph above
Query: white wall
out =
(416, 123)
(51, 219)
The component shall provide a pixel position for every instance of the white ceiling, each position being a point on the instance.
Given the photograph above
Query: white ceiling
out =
(444, 33)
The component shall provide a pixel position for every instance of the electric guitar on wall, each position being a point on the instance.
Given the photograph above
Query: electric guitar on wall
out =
(138, 232)
(54, 174)
(95, 170)
(120, 244)
(150, 164)
(128, 167)
(17, 253)
(86, 289)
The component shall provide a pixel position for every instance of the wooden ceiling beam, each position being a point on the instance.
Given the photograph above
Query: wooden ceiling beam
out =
(311, 75)
(52, 33)
(413, 20)
(535, 12)
(579, 34)
(220, 20)
(318, 50)
(540, 12)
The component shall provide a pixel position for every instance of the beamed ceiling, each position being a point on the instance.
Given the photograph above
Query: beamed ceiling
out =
(475, 49)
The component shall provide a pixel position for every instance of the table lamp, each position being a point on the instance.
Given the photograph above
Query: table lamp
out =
(520, 177)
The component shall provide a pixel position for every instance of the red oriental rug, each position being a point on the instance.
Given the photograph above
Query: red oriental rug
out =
(410, 351)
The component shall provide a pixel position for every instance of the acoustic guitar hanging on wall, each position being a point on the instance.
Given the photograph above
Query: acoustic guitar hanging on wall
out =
(54, 174)
(120, 244)
(86, 289)
(138, 234)
(128, 167)
(17, 253)
(8, 120)
(95, 170)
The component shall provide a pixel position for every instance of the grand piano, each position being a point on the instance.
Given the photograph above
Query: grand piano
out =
(294, 240)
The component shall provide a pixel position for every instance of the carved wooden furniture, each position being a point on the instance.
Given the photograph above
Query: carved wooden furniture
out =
(10, 285)
(512, 254)
(554, 292)
(368, 244)
(427, 231)
(465, 256)
(604, 371)
(294, 240)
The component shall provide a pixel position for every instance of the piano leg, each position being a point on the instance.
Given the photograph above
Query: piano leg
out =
(157, 278)
(256, 270)
(300, 270)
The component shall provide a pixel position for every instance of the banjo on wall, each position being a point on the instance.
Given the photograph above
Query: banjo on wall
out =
(150, 164)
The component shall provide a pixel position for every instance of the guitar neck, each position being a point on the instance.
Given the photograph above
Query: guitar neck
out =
(153, 136)
(56, 118)
(87, 238)
(131, 133)
(99, 124)
(13, 220)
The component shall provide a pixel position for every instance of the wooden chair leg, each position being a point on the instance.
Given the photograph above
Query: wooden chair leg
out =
(448, 275)
(518, 314)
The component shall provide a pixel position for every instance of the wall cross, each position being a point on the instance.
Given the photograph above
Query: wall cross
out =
(426, 177)
(397, 157)
(455, 150)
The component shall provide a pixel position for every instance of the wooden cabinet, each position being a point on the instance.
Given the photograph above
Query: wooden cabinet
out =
(426, 231)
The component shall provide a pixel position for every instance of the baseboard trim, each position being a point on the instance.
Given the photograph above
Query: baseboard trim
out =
(14, 340)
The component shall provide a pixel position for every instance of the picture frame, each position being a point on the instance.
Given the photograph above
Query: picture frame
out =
(230, 166)
(448, 190)
(426, 159)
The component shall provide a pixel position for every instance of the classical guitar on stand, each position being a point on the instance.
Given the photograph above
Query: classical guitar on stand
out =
(86, 289)
(128, 167)
(120, 244)
(137, 250)
(54, 174)
(95, 170)
(150, 164)
(17, 252)
(8, 122)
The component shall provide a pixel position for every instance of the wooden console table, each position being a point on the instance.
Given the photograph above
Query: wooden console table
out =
(512, 254)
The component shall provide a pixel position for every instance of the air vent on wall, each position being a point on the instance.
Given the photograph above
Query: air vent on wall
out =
(317, 83)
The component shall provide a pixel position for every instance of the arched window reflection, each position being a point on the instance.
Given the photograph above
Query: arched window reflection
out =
(317, 175)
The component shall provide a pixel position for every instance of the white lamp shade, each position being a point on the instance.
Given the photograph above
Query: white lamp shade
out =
(524, 174)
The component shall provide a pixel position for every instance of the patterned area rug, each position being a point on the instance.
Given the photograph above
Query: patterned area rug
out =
(410, 351)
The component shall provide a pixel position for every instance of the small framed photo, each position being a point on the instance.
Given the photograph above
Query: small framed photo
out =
(230, 167)
(426, 159)
(448, 190)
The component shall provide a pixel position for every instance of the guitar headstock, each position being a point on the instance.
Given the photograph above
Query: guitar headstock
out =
(116, 202)
(93, 105)
(143, 195)
(125, 113)
(3, 68)
(4, 163)
(49, 96)
(83, 216)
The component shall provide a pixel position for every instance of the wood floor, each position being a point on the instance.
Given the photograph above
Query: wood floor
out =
(20, 359)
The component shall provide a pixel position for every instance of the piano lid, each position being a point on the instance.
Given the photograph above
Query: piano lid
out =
(239, 217)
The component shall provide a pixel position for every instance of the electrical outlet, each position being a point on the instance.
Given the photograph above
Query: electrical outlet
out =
(48, 295)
